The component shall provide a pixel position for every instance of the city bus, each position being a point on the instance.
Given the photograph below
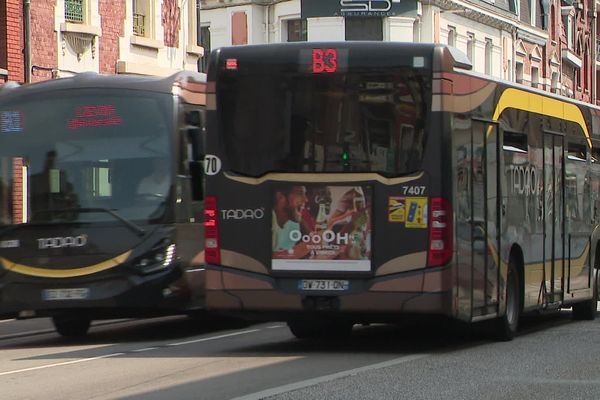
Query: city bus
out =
(361, 182)
(101, 186)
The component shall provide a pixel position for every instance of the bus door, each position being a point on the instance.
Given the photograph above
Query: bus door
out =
(485, 219)
(553, 245)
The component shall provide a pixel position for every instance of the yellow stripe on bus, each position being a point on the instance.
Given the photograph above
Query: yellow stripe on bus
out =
(63, 273)
(536, 103)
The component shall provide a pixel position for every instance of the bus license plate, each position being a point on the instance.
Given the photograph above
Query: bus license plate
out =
(323, 284)
(66, 294)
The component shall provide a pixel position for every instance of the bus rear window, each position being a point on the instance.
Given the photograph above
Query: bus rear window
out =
(354, 122)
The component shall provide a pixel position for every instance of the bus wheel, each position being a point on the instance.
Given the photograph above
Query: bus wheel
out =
(506, 326)
(71, 326)
(586, 310)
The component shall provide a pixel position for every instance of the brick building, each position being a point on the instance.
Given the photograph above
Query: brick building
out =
(154, 37)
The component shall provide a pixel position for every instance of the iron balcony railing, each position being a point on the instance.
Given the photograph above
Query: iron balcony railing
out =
(74, 11)
(139, 24)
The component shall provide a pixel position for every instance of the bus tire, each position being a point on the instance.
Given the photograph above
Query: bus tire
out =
(71, 326)
(507, 325)
(586, 310)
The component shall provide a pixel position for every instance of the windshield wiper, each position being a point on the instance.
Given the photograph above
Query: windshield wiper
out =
(134, 227)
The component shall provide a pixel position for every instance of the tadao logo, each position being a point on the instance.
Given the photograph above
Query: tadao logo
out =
(324, 60)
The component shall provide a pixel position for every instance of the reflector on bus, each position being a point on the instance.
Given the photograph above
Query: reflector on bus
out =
(231, 64)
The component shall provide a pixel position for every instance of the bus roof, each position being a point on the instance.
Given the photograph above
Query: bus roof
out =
(365, 53)
(94, 80)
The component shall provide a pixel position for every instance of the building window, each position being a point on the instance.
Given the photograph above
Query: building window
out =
(488, 56)
(194, 22)
(296, 30)
(535, 77)
(569, 30)
(361, 28)
(452, 36)
(75, 11)
(143, 12)
(552, 23)
(239, 28)
(417, 30)
(519, 72)
(470, 45)
(205, 43)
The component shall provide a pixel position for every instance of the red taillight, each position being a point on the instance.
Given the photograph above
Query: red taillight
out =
(440, 232)
(212, 253)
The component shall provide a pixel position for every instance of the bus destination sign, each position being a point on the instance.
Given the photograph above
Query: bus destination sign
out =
(323, 61)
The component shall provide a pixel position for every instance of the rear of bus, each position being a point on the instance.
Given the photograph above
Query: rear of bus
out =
(326, 195)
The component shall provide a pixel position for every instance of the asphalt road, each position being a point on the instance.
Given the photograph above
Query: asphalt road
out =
(553, 357)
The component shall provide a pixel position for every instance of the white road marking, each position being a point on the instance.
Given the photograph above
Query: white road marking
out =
(144, 349)
(17, 371)
(214, 337)
(7, 320)
(327, 378)
(275, 326)
(26, 333)
(46, 366)
(549, 381)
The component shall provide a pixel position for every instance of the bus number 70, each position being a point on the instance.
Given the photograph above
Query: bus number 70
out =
(212, 164)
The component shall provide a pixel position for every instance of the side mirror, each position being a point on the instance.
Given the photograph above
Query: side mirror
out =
(194, 118)
(197, 174)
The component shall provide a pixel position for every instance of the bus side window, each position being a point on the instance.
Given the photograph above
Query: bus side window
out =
(194, 120)
(194, 137)
(577, 206)
(595, 183)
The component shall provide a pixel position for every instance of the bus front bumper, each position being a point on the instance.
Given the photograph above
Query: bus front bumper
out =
(117, 295)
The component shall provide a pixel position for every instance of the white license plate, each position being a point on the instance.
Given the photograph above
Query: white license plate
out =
(66, 294)
(323, 284)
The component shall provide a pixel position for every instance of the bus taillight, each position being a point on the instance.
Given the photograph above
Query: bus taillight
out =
(211, 231)
(440, 232)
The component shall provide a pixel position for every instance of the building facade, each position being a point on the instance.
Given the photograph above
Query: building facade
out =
(547, 44)
(45, 39)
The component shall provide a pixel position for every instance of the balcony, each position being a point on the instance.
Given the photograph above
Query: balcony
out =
(571, 58)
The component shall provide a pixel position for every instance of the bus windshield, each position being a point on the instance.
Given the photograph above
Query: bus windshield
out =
(85, 156)
(356, 121)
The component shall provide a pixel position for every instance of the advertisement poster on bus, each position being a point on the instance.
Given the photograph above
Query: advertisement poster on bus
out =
(317, 227)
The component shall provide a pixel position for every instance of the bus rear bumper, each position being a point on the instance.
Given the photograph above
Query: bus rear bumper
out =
(421, 292)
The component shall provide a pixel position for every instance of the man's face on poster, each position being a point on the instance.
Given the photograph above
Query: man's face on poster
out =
(296, 201)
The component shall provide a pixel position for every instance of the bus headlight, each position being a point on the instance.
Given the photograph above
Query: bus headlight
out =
(158, 259)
